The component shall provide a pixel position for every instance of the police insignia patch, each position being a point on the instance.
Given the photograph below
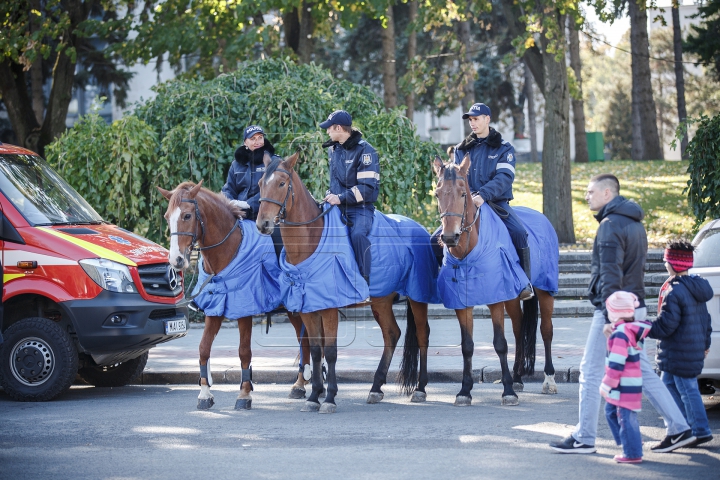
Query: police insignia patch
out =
(510, 157)
(366, 159)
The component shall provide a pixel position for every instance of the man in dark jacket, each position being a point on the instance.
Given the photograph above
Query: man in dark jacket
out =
(491, 175)
(618, 263)
(354, 182)
(683, 328)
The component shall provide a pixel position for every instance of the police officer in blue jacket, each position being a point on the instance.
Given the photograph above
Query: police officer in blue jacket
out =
(354, 182)
(245, 173)
(491, 175)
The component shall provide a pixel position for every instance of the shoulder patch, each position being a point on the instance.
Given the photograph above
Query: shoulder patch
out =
(366, 159)
(362, 142)
(510, 157)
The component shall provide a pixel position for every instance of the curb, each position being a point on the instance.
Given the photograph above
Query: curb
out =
(233, 375)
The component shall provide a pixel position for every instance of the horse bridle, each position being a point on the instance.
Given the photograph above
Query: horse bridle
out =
(466, 228)
(282, 214)
(194, 235)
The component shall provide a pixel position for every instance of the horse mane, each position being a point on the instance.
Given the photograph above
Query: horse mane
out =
(450, 171)
(272, 166)
(218, 198)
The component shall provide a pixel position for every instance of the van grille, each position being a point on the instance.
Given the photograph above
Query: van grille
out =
(156, 278)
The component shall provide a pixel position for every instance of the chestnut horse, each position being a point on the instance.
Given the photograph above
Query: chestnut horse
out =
(461, 224)
(286, 201)
(197, 216)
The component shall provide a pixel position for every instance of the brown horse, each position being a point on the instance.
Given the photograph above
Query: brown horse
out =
(198, 216)
(286, 201)
(460, 235)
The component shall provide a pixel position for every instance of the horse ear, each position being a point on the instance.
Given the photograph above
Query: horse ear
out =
(194, 190)
(165, 193)
(438, 166)
(292, 159)
(465, 165)
(267, 159)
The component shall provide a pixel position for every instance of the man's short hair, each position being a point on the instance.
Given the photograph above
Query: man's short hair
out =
(607, 180)
(346, 128)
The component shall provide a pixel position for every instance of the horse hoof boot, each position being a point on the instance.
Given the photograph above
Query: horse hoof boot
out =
(243, 404)
(549, 386)
(418, 397)
(310, 407)
(518, 387)
(463, 401)
(205, 403)
(328, 407)
(375, 397)
(297, 393)
(510, 400)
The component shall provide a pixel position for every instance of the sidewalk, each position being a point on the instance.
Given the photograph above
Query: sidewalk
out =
(360, 348)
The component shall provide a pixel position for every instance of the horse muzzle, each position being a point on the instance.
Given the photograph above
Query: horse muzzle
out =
(450, 240)
(180, 263)
(266, 227)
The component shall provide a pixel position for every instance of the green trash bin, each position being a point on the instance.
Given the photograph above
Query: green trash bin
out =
(596, 146)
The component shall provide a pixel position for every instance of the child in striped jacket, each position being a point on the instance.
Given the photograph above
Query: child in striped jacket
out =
(622, 384)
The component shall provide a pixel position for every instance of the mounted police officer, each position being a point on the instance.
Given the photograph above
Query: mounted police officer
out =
(354, 182)
(491, 175)
(245, 173)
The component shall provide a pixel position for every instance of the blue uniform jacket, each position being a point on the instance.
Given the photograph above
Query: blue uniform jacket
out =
(244, 174)
(354, 171)
(492, 167)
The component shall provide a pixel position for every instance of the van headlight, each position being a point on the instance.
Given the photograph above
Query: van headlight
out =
(112, 276)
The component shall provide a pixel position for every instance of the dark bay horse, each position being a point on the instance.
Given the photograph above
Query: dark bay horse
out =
(461, 224)
(286, 201)
(196, 215)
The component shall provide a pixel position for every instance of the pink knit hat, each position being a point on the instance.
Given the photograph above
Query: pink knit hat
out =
(621, 305)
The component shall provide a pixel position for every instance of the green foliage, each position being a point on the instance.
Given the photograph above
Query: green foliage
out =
(191, 129)
(618, 130)
(703, 39)
(703, 188)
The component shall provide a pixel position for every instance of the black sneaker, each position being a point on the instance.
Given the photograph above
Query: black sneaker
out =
(701, 440)
(672, 442)
(570, 445)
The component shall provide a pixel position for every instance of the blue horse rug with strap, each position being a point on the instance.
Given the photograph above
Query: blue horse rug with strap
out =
(248, 285)
(402, 260)
(491, 272)
(329, 278)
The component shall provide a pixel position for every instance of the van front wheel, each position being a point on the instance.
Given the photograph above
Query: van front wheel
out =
(38, 360)
(114, 375)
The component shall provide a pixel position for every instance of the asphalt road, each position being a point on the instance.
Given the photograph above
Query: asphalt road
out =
(156, 432)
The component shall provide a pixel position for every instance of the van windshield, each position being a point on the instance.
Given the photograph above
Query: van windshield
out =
(40, 194)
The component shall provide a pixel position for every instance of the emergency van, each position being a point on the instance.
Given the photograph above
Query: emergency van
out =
(80, 296)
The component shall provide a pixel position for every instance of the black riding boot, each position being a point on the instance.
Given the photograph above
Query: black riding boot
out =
(527, 292)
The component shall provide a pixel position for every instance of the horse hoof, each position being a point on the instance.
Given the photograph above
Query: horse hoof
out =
(463, 401)
(518, 387)
(243, 404)
(549, 389)
(205, 403)
(418, 397)
(375, 397)
(510, 400)
(328, 407)
(297, 393)
(310, 407)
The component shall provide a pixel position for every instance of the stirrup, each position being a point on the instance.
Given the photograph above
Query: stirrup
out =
(527, 293)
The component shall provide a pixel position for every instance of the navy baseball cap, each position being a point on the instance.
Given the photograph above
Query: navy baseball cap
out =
(477, 110)
(338, 117)
(252, 130)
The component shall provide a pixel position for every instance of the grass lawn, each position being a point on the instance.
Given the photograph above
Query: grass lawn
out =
(656, 185)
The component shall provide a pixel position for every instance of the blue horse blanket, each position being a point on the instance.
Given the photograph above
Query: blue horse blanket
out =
(402, 261)
(491, 272)
(248, 285)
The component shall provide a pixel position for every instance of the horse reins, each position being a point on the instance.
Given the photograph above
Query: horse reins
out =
(463, 229)
(282, 214)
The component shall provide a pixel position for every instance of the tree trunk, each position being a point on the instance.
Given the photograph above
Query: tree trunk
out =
(36, 73)
(645, 140)
(291, 28)
(13, 88)
(679, 80)
(533, 57)
(557, 194)
(532, 126)
(469, 87)
(581, 148)
(306, 43)
(388, 55)
(412, 51)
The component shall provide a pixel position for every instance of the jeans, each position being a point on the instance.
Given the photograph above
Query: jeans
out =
(625, 429)
(592, 370)
(687, 396)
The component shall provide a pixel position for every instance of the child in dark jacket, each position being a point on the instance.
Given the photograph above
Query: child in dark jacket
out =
(683, 329)
(622, 384)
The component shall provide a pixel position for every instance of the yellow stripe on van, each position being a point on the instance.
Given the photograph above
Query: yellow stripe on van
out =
(11, 276)
(101, 252)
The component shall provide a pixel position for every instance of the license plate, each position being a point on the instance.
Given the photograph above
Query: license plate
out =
(175, 326)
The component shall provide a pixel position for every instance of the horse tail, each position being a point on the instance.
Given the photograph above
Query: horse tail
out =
(528, 335)
(408, 377)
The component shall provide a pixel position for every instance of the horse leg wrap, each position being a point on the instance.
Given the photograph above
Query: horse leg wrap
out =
(307, 372)
(206, 374)
(247, 377)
